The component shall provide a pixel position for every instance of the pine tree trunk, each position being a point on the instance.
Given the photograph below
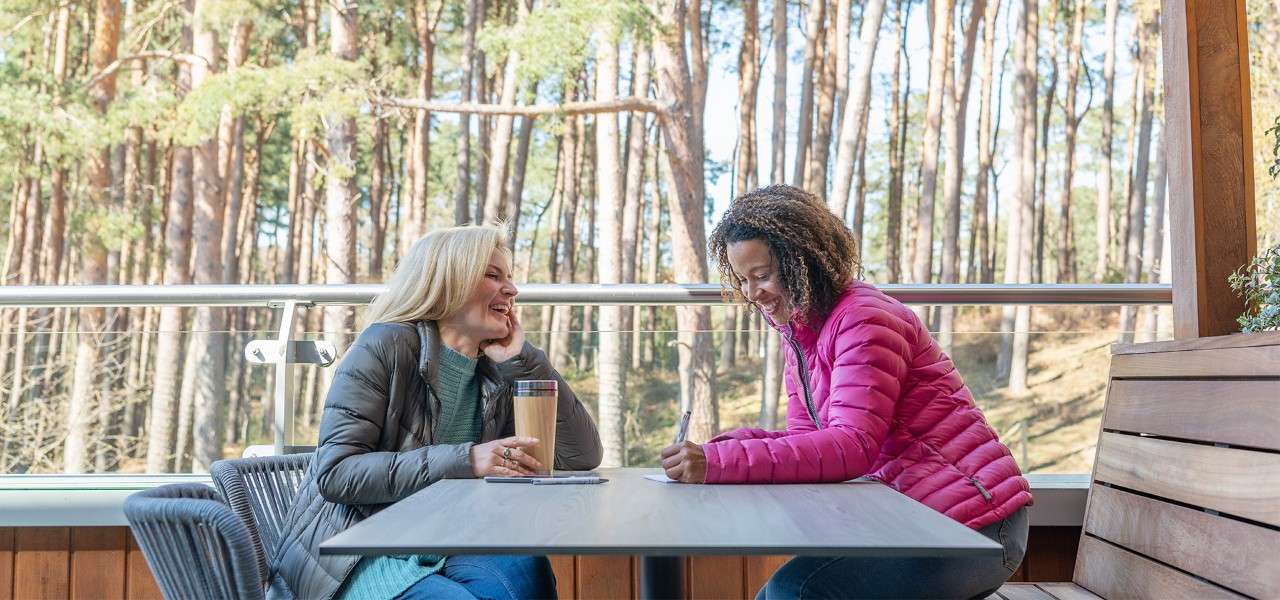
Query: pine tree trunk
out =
(1027, 88)
(853, 125)
(804, 124)
(561, 321)
(165, 383)
(748, 89)
(1119, 243)
(462, 189)
(633, 196)
(611, 372)
(682, 133)
(1066, 229)
(207, 338)
(420, 152)
(1153, 244)
(841, 10)
(956, 106)
(293, 246)
(1037, 274)
(494, 203)
(897, 119)
(231, 157)
(654, 228)
(778, 139)
(979, 242)
(342, 199)
(939, 58)
(826, 104)
(1104, 175)
(93, 266)
(1134, 252)
(377, 201)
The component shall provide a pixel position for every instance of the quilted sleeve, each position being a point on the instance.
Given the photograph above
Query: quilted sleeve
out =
(870, 359)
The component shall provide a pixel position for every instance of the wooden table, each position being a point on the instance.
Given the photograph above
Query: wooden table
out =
(660, 522)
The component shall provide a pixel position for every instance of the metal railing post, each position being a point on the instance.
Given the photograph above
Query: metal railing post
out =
(283, 394)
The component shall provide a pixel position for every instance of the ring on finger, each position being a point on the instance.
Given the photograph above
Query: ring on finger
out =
(506, 453)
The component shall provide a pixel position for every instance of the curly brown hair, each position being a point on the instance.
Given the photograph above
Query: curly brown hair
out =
(816, 253)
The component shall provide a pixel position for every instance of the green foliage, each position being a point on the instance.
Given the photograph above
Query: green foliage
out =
(1259, 284)
(555, 40)
(114, 226)
(313, 88)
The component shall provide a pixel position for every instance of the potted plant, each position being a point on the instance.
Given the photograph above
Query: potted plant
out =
(1259, 284)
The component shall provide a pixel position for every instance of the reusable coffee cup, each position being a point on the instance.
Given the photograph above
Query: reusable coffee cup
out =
(535, 411)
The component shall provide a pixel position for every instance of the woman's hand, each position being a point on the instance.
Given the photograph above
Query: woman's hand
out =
(505, 457)
(508, 347)
(685, 462)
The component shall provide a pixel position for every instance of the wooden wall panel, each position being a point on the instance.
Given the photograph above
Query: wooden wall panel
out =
(1238, 482)
(1244, 411)
(716, 577)
(97, 554)
(1112, 572)
(139, 582)
(1232, 553)
(6, 563)
(106, 562)
(756, 571)
(605, 577)
(566, 575)
(41, 562)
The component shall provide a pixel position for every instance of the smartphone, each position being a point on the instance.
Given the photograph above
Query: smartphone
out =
(530, 478)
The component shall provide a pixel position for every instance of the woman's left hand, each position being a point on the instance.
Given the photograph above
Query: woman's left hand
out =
(685, 462)
(508, 347)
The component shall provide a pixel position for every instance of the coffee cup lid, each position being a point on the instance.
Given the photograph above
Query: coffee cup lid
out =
(526, 386)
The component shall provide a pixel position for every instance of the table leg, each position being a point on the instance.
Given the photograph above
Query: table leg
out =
(662, 577)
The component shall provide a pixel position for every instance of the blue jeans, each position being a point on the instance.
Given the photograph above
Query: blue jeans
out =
(487, 577)
(809, 577)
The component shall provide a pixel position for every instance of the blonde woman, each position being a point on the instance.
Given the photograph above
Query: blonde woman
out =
(424, 394)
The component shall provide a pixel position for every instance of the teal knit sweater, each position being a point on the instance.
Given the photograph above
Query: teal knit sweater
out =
(383, 577)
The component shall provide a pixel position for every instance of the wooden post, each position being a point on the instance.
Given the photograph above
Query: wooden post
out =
(1211, 207)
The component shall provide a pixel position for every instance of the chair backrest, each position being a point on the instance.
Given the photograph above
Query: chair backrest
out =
(195, 545)
(260, 490)
(1185, 499)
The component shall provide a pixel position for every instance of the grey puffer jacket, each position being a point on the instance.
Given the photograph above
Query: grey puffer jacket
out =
(376, 442)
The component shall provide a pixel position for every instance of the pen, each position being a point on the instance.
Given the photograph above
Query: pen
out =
(566, 480)
(683, 427)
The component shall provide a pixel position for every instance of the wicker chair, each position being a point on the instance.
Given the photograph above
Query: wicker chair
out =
(260, 491)
(196, 546)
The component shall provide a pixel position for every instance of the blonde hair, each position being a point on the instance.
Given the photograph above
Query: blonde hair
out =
(436, 277)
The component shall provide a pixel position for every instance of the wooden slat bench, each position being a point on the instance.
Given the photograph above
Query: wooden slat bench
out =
(1185, 498)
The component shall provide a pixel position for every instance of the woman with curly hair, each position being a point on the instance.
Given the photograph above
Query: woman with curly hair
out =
(870, 393)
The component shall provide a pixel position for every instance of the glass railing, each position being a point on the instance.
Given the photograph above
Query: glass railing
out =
(1050, 427)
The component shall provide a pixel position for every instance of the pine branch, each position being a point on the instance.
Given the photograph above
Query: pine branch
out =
(624, 104)
(150, 55)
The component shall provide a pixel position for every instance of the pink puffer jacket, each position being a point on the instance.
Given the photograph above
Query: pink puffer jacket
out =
(891, 406)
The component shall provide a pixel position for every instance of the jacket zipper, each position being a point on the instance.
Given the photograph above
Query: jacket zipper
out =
(803, 368)
(981, 490)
